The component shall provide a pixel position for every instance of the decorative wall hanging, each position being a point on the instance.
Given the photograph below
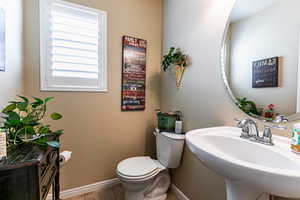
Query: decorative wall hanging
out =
(175, 58)
(2, 40)
(265, 73)
(133, 74)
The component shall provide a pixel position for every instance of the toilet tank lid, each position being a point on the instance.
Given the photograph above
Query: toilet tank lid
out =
(173, 136)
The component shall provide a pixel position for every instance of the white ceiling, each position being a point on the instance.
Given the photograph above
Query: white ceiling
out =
(247, 8)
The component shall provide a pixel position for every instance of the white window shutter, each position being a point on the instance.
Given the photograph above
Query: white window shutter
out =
(73, 47)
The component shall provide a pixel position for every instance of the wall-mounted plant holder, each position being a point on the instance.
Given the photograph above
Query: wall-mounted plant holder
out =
(175, 58)
(179, 74)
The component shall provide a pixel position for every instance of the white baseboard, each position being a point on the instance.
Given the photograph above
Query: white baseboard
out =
(105, 184)
(86, 189)
(181, 196)
(178, 193)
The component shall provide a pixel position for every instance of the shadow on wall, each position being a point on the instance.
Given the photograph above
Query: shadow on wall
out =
(154, 83)
(210, 181)
(150, 146)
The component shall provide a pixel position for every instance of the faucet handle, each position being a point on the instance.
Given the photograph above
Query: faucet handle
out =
(267, 135)
(281, 119)
(280, 127)
(267, 132)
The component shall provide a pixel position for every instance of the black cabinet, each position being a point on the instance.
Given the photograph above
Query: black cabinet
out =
(28, 173)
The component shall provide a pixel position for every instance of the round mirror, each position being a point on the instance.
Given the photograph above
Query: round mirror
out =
(260, 58)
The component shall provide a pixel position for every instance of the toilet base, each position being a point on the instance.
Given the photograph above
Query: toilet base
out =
(162, 197)
(152, 189)
(133, 195)
(140, 196)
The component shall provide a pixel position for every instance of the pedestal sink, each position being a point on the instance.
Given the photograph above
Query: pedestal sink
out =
(250, 169)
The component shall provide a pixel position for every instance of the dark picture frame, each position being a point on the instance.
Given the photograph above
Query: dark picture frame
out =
(265, 73)
(2, 40)
(133, 74)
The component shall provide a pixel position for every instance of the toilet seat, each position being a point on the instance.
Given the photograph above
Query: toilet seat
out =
(138, 168)
(138, 179)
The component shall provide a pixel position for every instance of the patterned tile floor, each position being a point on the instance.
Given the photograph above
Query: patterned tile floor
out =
(113, 193)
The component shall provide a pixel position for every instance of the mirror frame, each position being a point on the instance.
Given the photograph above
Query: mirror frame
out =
(291, 118)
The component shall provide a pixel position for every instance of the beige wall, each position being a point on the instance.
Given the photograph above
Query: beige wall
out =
(11, 80)
(197, 27)
(97, 132)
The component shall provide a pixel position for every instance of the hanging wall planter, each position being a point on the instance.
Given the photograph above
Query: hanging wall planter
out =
(179, 74)
(175, 58)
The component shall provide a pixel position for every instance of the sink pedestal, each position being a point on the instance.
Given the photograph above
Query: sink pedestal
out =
(237, 190)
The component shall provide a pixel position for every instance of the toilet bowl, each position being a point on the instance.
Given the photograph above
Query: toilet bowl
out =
(139, 177)
(147, 179)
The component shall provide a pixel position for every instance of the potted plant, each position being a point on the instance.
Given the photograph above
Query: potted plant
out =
(270, 113)
(175, 58)
(23, 122)
(248, 106)
(166, 121)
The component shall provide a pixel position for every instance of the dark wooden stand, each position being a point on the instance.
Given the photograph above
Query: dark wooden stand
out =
(29, 172)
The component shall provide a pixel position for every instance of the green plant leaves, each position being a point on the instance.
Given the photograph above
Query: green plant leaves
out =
(48, 99)
(9, 108)
(41, 141)
(23, 122)
(37, 102)
(248, 107)
(54, 144)
(167, 59)
(45, 130)
(56, 116)
(58, 132)
(29, 120)
(24, 98)
(29, 130)
(22, 106)
(13, 119)
(174, 57)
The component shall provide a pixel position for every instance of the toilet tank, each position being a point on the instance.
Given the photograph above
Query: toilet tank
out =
(169, 148)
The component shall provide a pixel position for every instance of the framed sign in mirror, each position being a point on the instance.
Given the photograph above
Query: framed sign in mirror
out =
(260, 59)
(265, 73)
(2, 39)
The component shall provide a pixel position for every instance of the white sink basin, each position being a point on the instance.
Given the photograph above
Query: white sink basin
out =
(250, 169)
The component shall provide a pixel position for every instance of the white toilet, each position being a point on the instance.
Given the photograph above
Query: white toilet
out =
(146, 179)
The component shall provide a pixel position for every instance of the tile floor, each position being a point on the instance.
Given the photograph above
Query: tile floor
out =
(113, 193)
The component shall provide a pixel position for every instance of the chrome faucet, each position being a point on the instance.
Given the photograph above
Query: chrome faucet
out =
(249, 128)
(251, 132)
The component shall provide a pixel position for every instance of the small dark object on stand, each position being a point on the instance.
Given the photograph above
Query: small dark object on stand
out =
(28, 173)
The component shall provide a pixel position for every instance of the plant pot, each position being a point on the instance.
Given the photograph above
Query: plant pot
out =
(166, 121)
(179, 74)
(269, 115)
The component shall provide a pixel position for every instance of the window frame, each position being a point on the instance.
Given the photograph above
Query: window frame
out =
(45, 58)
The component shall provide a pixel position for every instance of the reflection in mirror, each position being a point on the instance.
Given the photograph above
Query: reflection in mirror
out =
(260, 58)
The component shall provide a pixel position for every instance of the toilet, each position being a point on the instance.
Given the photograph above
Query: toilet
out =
(147, 179)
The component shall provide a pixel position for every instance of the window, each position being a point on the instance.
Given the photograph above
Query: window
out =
(72, 47)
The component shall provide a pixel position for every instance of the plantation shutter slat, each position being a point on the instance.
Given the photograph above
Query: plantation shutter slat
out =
(74, 33)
